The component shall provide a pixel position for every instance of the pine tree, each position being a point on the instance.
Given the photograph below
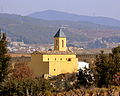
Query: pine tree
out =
(114, 63)
(4, 58)
(107, 66)
(102, 66)
(116, 59)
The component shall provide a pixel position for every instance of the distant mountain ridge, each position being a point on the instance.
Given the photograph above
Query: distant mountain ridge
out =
(58, 15)
(38, 31)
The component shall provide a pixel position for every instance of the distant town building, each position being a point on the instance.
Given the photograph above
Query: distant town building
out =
(54, 62)
(18, 43)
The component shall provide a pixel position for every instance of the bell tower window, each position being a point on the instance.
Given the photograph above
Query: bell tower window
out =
(62, 43)
(56, 43)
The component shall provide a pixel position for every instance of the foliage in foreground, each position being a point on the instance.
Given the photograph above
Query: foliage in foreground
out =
(113, 91)
(26, 87)
(85, 78)
(42, 87)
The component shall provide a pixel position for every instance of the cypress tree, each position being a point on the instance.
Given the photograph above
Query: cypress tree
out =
(4, 57)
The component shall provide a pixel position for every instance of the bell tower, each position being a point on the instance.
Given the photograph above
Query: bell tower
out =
(60, 41)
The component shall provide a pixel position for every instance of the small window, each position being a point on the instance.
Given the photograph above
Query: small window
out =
(69, 59)
(66, 58)
(60, 58)
(48, 58)
(55, 58)
(54, 69)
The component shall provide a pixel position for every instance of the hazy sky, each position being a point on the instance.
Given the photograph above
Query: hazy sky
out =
(107, 8)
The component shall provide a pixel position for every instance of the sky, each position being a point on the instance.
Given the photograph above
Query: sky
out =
(106, 8)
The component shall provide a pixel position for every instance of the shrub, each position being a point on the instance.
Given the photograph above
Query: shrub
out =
(25, 87)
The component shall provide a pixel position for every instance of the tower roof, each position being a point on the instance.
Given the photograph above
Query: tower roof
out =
(60, 33)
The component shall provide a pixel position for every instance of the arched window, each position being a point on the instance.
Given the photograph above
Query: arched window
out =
(62, 43)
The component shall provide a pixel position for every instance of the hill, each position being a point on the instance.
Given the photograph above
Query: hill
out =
(58, 15)
(38, 31)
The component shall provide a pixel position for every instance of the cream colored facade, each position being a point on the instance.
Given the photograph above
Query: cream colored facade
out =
(58, 61)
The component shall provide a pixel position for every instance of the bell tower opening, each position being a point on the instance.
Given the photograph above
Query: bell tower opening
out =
(62, 43)
(56, 43)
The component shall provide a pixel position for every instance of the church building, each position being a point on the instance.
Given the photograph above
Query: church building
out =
(58, 61)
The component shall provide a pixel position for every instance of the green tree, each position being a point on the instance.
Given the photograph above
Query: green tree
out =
(116, 59)
(102, 66)
(114, 62)
(4, 58)
(106, 67)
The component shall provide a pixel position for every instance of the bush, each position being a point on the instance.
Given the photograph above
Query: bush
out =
(25, 87)
(64, 82)
(85, 78)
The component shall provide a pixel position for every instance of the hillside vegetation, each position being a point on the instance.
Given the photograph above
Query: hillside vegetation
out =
(38, 31)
